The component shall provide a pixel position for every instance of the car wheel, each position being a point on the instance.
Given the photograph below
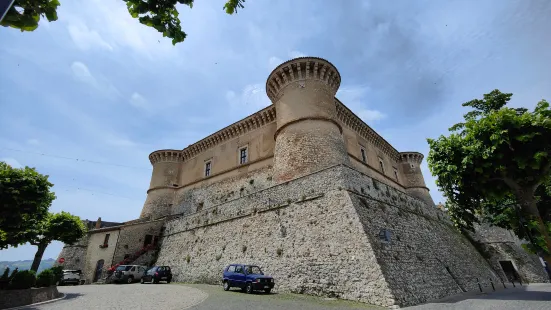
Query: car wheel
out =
(130, 280)
(268, 290)
(249, 288)
(226, 286)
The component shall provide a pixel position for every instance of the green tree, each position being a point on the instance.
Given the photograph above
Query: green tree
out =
(161, 15)
(25, 199)
(498, 154)
(62, 227)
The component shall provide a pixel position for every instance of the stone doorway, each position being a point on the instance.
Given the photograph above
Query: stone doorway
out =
(99, 269)
(509, 270)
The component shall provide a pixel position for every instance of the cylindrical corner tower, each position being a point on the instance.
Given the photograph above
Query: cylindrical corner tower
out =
(164, 179)
(414, 181)
(308, 137)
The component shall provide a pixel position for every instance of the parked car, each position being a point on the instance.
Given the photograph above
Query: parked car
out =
(247, 277)
(156, 274)
(128, 273)
(70, 277)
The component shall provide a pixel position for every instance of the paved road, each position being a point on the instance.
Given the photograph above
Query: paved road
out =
(531, 297)
(209, 297)
(125, 296)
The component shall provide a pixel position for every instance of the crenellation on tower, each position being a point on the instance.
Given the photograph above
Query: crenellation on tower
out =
(308, 135)
(414, 183)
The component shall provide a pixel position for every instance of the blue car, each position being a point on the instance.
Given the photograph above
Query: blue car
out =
(247, 277)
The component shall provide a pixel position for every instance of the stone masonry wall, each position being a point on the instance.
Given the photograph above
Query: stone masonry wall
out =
(319, 235)
(502, 245)
(189, 200)
(425, 258)
(132, 237)
(304, 233)
(74, 255)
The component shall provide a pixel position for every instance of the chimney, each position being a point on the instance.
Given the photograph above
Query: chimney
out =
(98, 223)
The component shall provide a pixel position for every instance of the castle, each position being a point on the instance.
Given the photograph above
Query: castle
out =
(309, 192)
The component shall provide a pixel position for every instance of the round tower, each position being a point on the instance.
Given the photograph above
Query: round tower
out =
(164, 180)
(414, 181)
(308, 137)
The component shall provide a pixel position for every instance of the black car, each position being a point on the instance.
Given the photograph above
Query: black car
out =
(156, 274)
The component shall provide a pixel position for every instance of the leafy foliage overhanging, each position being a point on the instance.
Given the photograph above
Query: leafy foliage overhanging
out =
(162, 15)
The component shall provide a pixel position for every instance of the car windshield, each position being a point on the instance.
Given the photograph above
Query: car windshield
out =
(123, 268)
(254, 270)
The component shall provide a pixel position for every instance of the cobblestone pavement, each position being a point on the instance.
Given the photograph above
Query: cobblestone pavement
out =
(531, 297)
(125, 296)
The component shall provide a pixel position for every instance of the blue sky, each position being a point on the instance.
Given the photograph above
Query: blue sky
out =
(99, 86)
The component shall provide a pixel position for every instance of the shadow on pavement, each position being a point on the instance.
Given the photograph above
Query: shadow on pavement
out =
(525, 293)
(71, 296)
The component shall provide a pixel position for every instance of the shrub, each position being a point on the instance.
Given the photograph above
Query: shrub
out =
(6, 274)
(58, 273)
(45, 278)
(23, 280)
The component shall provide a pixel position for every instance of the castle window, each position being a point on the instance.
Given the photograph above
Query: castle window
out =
(364, 155)
(381, 165)
(106, 240)
(396, 174)
(208, 166)
(243, 155)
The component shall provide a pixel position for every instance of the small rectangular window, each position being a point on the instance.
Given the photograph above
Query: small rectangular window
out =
(208, 165)
(364, 156)
(381, 165)
(396, 174)
(243, 155)
(106, 240)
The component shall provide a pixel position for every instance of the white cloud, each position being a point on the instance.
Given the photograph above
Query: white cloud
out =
(250, 100)
(138, 101)
(12, 162)
(370, 115)
(355, 99)
(274, 62)
(87, 39)
(296, 54)
(82, 73)
(109, 26)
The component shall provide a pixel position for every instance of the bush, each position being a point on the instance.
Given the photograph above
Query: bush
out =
(23, 280)
(58, 273)
(6, 274)
(45, 278)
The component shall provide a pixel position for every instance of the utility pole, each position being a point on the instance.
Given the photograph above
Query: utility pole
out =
(5, 5)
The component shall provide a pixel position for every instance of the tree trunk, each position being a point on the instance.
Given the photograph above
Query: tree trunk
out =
(528, 204)
(38, 256)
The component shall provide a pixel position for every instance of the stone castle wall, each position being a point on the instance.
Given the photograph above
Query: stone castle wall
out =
(204, 196)
(131, 238)
(319, 234)
(425, 257)
(74, 255)
(499, 244)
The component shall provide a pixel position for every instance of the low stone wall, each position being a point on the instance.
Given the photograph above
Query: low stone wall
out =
(16, 298)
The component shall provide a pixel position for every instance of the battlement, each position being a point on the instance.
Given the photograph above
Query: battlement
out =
(302, 68)
(166, 156)
(411, 157)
